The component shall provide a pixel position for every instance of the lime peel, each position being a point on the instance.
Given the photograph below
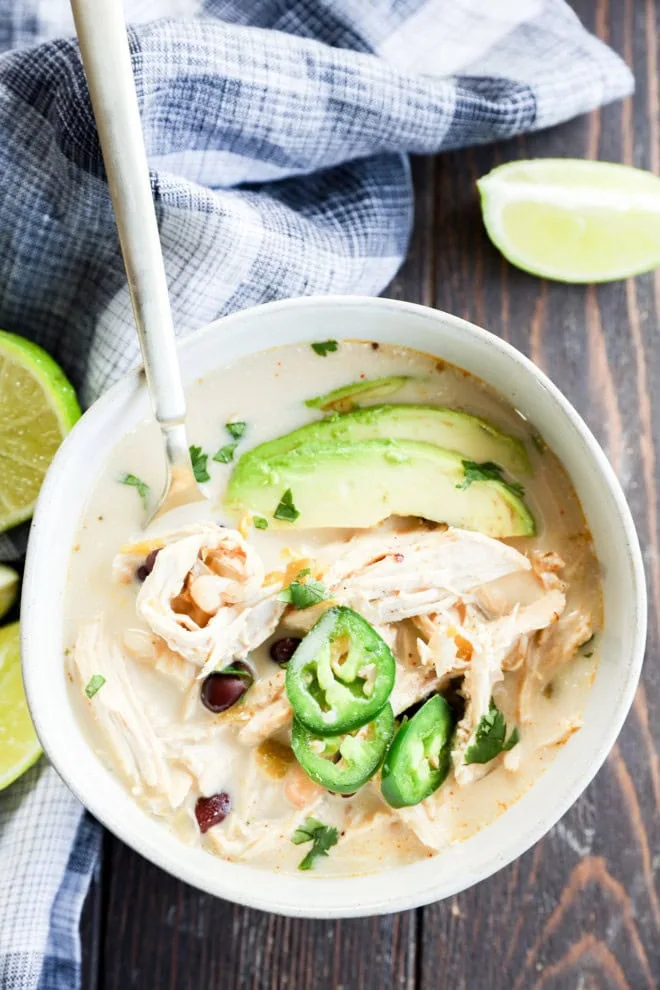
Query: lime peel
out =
(573, 220)
(8, 588)
(38, 407)
(19, 746)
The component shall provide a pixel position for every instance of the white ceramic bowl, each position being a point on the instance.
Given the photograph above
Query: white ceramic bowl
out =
(68, 487)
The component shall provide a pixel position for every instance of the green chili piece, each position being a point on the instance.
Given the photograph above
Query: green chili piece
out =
(419, 758)
(342, 764)
(341, 675)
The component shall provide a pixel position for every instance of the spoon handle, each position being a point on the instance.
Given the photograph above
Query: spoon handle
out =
(105, 53)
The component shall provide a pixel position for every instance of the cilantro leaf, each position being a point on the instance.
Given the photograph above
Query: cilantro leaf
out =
(135, 482)
(488, 471)
(490, 738)
(199, 464)
(323, 837)
(512, 741)
(325, 347)
(286, 510)
(587, 643)
(539, 443)
(236, 430)
(226, 453)
(304, 594)
(259, 522)
(237, 672)
(94, 684)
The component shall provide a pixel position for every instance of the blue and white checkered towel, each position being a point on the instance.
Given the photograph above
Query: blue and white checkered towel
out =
(278, 136)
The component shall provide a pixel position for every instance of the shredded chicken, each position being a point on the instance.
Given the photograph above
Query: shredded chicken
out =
(153, 652)
(553, 648)
(407, 644)
(388, 576)
(547, 566)
(205, 596)
(123, 720)
(424, 820)
(492, 643)
(411, 686)
(264, 711)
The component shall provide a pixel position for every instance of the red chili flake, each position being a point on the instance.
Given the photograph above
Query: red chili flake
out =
(210, 811)
(398, 557)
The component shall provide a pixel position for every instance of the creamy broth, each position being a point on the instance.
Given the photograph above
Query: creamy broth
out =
(267, 391)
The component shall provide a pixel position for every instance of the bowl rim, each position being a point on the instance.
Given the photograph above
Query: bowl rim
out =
(190, 870)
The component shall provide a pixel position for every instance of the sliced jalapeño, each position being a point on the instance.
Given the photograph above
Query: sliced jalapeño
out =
(342, 764)
(341, 675)
(418, 760)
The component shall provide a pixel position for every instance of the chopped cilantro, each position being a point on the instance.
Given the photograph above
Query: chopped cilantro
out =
(199, 464)
(490, 737)
(226, 453)
(588, 643)
(237, 672)
(94, 684)
(304, 594)
(236, 430)
(539, 443)
(488, 471)
(325, 347)
(135, 482)
(259, 522)
(323, 838)
(286, 510)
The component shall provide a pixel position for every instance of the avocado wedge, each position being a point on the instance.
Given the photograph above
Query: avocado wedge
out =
(474, 438)
(342, 399)
(360, 484)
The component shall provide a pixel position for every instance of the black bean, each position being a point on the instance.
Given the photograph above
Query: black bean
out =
(220, 691)
(210, 811)
(282, 650)
(247, 672)
(144, 570)
(454, 698)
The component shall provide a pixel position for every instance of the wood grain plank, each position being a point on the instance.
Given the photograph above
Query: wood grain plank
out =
(162, 933)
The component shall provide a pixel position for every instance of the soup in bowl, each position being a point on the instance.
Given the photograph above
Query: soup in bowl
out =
(383, 640)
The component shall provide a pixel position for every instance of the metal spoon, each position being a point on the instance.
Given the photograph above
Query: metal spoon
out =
(105, 53)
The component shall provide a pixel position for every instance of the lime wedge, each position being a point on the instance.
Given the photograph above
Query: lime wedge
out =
(8, 588)
(19, 746)
(38, 407)
(573, 220)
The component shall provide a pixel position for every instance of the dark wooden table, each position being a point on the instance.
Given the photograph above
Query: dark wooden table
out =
(582, 909)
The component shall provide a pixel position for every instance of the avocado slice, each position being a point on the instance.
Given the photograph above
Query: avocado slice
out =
(360, 484)
(474, 438)
(342, 399)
